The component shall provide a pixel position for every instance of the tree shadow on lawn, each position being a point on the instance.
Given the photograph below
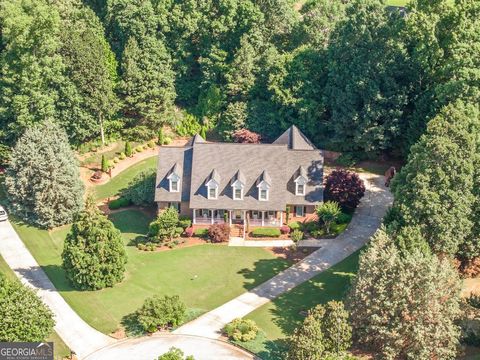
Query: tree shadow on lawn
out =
(290, 308)
(55, 274)
(264, 269)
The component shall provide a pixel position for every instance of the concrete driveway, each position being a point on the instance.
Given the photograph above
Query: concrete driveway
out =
(198, 337)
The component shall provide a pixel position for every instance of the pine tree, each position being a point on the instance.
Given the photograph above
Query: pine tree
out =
(405, 306)
(94, 255)
(161, 138)
(147, 82)
(104, 164)
(43, 180)
(128, 149)
(434, 190)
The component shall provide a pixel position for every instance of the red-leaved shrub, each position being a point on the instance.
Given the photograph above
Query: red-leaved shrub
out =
(344, 187)
(285, 229)
(189, 231)
(219, 233)
(246, 136)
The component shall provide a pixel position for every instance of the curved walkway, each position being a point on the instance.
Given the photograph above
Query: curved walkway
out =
(150, 347)
(76, 333)
(365, 222)
(199, 336)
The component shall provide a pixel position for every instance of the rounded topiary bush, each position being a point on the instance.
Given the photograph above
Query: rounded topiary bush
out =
(241, 330)
(161, 312)
(296, 235)
(219, 233)
(344, 187)
(285, 229)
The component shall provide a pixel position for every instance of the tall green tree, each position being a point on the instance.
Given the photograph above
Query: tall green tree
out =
(367, 84)
(43, 180)
(91, 65)
(147, 85)
(23, 316)
(405, 306)
(434, 190)
(94, 255)
(30, 64)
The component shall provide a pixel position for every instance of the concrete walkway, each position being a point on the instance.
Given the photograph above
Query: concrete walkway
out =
(75, 332)
(364, 223)
(148, 348)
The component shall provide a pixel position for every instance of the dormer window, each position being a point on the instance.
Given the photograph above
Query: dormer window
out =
(264, 183)
(212, 190)
(238, 191)
(238, 185)
(263, 194)
(212, 183)
(300, 183)
(174, 181)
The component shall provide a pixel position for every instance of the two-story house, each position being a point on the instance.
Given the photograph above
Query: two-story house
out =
(241, 183)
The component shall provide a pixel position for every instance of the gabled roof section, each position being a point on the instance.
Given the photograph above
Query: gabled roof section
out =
(295, 139)
(215, 176)
(301, 171)
(195, 140)
(264, 177)
(176, 170)
(239, 176)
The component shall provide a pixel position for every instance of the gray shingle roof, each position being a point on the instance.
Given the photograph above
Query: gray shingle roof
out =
(277, 164)
(295, 139)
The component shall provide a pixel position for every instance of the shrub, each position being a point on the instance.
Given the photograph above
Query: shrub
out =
(149, 246)
(266, 232)
(246, 136)
(328, 213)
(161, 312)
(184, 221)
(141, 190)
(344, 187)
(97, 175)
(23, 316)
(116, 160)
(128, 149)
(285, 229)
(175, 354)
(189, 231)
(160, 137)
(164, 228)
(201, 232)
(474, 300)
(344, 218)
(346, 160)
(219, 233)
(188, 126)
(241, 330)
(94, 256)
(145, 146)
(118, 203)
(151, 144)
(104, 165)
(311, 226)
(178, 231)
(317, 234)
(139, 149)
(296, 235)
(122, 156)
(295, 225)
(167, 140)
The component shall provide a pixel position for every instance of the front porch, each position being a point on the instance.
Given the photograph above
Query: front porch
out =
(247, 218)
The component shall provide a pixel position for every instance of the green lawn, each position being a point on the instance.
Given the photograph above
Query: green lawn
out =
(60, 349)
(121, 181)
(278, 318)
(204, 276)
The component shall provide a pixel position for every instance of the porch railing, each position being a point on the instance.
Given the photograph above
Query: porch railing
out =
(208, 220)
(266, 222)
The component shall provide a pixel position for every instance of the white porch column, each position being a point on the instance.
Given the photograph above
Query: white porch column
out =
(230, 217)
(194, 216)
(211, 216)
(263, 218)
(281, 218)
(244, 222)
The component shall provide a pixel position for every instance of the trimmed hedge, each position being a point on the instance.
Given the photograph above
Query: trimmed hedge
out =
(294, 225)
(201, 232)
(118, 203)
(266, 232)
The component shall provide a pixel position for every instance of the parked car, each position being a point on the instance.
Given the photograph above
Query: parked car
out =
(3, 214)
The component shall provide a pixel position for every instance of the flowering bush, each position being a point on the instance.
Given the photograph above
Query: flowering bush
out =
(219, 233)
(285, 229)
(189, 231)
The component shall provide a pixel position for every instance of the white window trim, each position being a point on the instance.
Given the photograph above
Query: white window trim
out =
(237, 185)
(263, 186)
(212, 184)
(300, 181)
(172, 178)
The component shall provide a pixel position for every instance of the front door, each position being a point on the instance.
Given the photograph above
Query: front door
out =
(237, 216)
